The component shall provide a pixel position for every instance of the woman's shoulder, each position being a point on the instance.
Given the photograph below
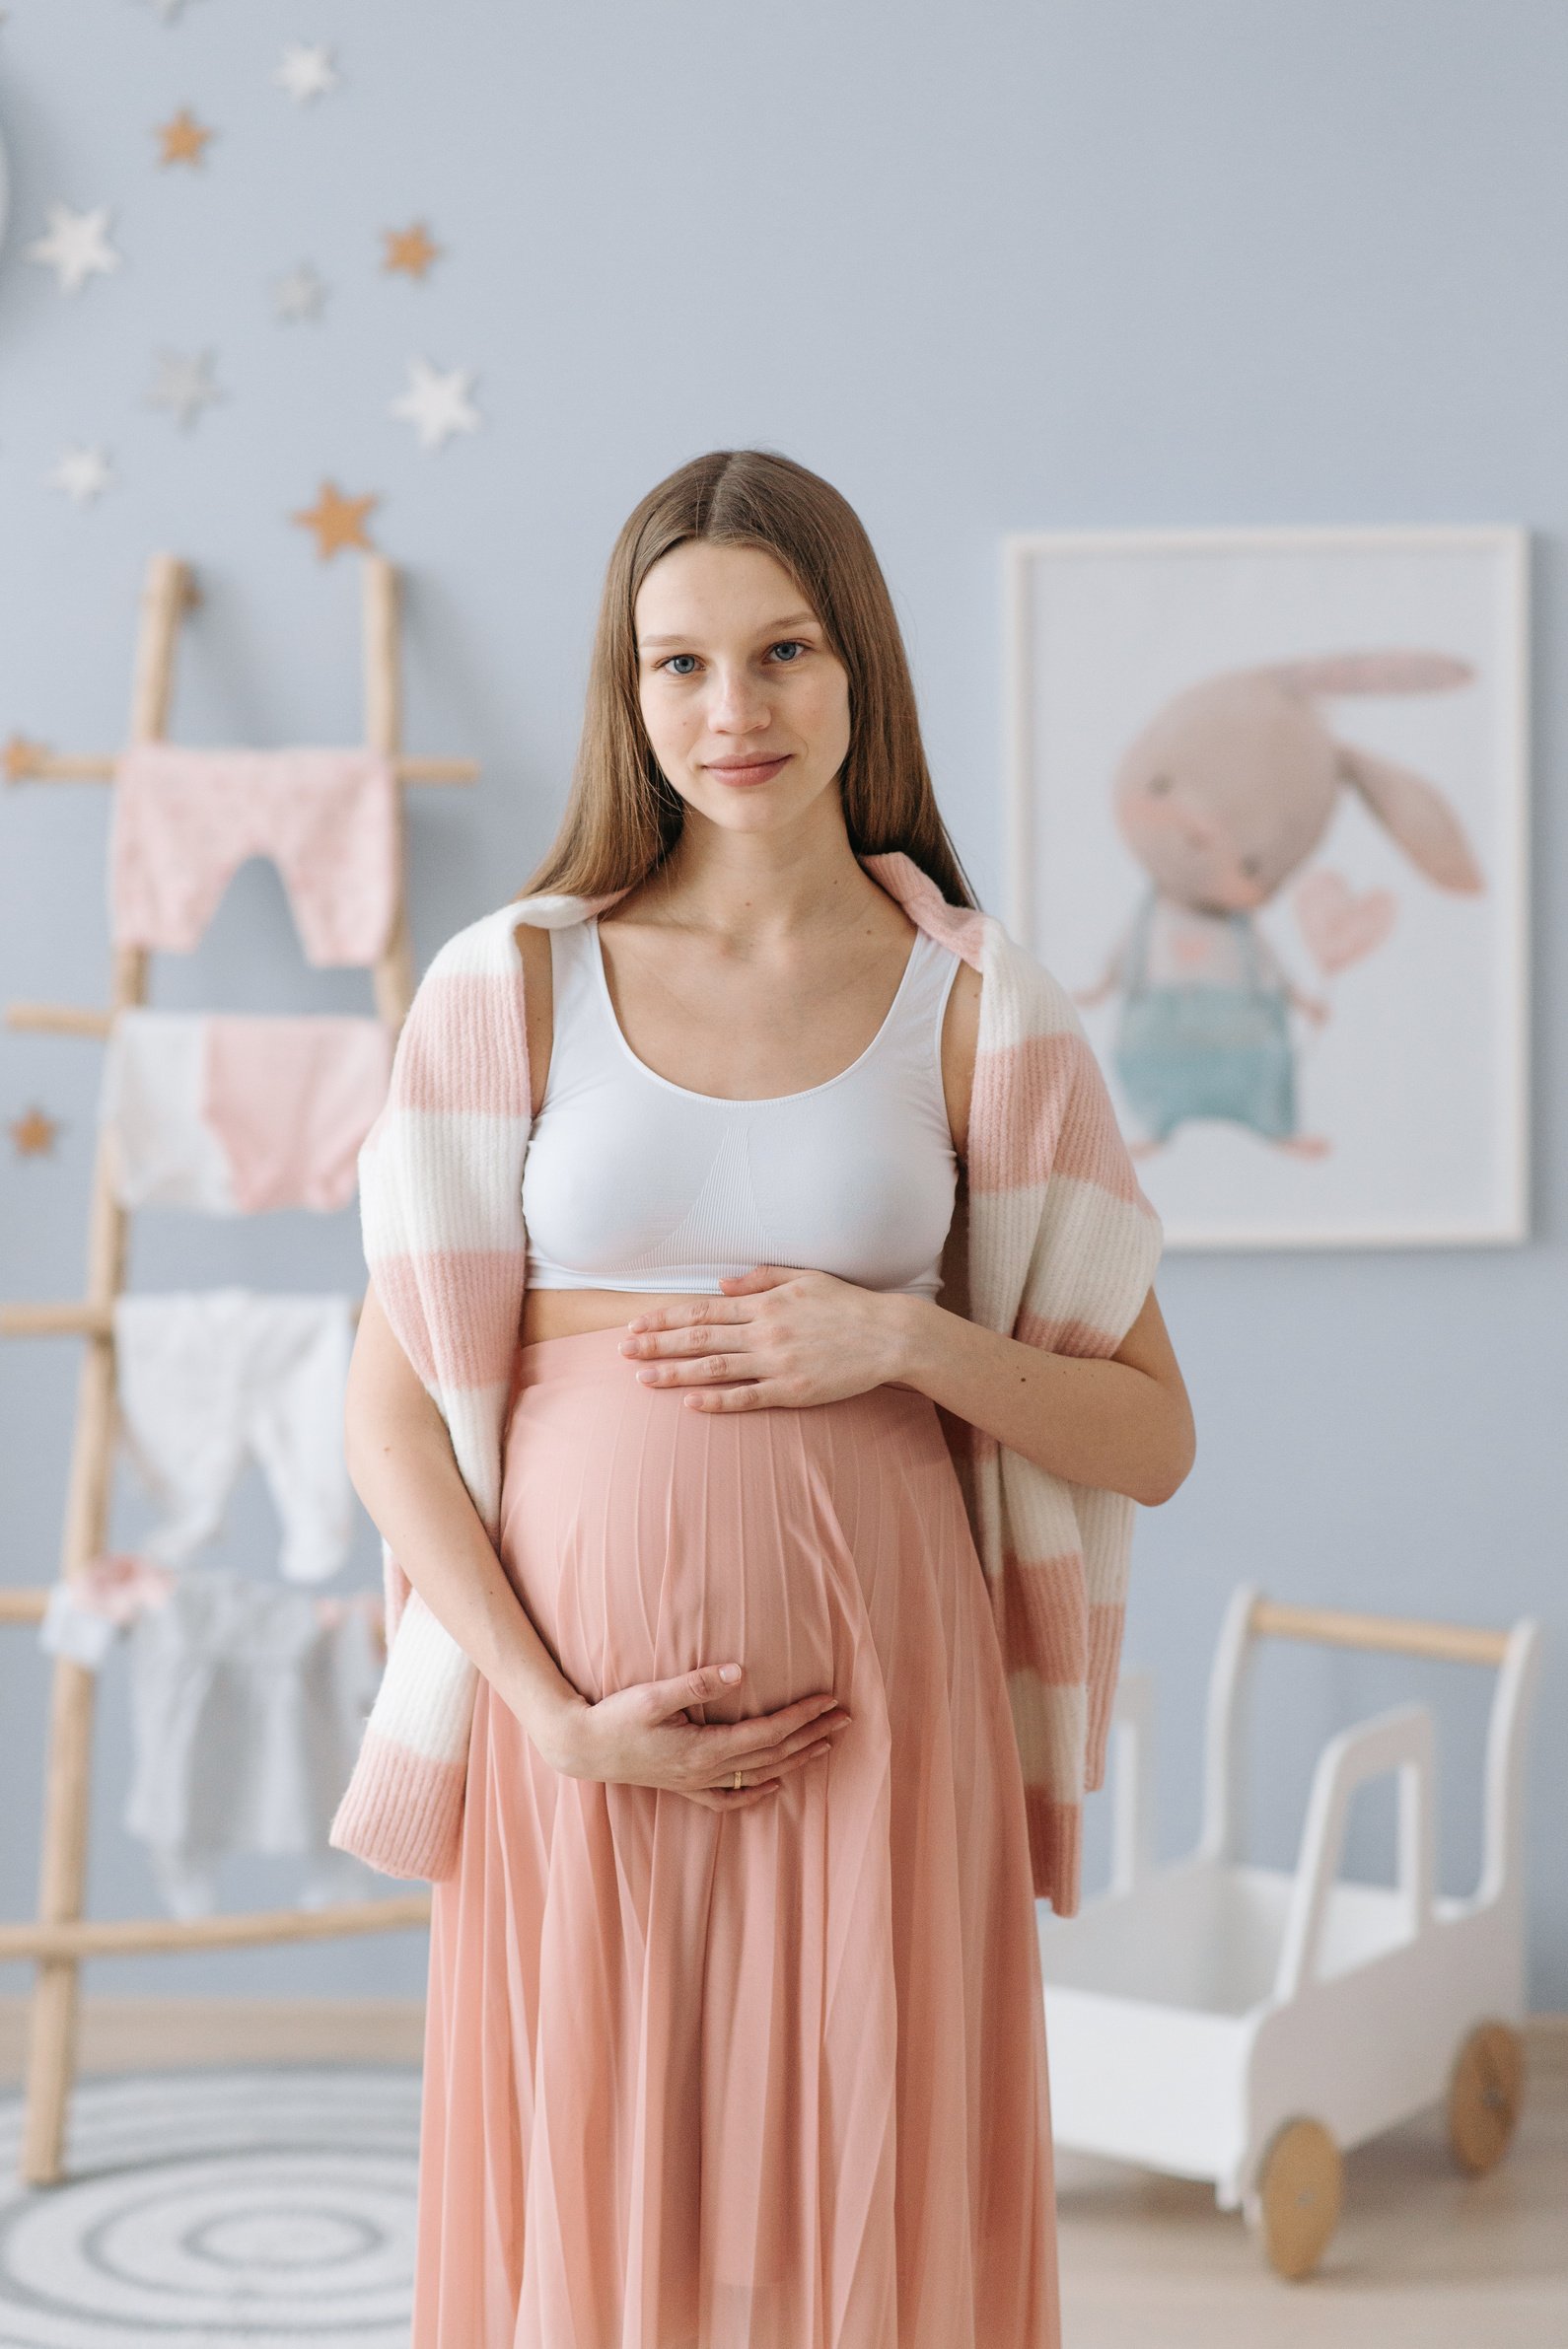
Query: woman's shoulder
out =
(960, 1035)
(533, 946)
(534, 950)
(1008, 999)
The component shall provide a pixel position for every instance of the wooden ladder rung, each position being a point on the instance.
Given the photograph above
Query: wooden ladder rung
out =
(72, 1321)
(56, 1321)
(30, 763)
(128, 1937)
(57, 1019)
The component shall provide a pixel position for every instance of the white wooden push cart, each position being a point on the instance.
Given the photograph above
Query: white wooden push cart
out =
(1248, 2026)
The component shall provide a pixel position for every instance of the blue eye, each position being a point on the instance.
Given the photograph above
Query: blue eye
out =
(675, 657)
(789, 644)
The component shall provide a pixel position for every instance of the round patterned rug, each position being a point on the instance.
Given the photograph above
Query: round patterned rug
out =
(271, 2207)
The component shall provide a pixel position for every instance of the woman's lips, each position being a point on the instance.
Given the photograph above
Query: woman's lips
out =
(748, 772)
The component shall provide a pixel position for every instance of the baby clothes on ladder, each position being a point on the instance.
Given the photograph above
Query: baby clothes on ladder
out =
(209, 1377)
(163, 1152)
(247, 1703)
(290, 1100)
(186, 819)
(234, 1114)
(86, 1612)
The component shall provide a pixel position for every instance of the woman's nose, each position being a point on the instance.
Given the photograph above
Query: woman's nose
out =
(737, 705)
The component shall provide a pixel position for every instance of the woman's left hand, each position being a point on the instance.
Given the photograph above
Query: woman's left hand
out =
(773, 1337)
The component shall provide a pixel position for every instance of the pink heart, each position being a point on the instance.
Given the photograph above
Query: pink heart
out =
(1337, 925)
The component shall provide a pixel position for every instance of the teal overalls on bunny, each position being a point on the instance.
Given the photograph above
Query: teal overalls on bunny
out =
(1194, 1052)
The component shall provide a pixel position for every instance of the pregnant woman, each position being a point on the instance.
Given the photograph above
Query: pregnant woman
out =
(736, 2036)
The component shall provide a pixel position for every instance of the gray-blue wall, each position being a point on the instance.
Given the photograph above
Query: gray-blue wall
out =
(988, 267)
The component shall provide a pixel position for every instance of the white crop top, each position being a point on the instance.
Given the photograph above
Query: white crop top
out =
(630, 1182)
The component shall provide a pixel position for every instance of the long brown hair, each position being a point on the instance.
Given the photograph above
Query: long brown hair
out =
(622, 817)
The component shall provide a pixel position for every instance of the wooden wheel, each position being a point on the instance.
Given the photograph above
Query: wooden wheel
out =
(1300, 2183)
(1485, 2090)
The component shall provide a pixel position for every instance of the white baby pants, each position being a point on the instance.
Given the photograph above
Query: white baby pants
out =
(210, 1378)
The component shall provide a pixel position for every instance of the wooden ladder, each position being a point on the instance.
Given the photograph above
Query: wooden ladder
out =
(60, 1937)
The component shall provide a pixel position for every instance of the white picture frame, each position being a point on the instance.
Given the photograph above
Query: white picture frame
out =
(1229, 686)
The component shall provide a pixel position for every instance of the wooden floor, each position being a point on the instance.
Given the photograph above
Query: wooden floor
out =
(150, 2035)
(1424, 2258)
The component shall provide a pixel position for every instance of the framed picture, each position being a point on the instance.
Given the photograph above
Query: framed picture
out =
(1268, 815)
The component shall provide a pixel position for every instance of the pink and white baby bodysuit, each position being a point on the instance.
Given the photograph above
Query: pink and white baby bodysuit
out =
(232, 1113)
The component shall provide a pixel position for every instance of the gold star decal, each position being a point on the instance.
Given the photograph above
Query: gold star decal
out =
(337, 521)
(409, 249)
(184, 139)
(21, 757)
(34, 1135)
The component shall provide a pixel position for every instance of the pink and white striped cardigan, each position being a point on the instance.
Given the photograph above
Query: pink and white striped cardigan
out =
(1054, 1244)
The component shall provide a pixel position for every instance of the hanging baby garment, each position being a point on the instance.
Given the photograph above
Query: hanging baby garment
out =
(185, 820)
(247, 1702)
(232, 1113)
(210, 1378)
(87, 1611)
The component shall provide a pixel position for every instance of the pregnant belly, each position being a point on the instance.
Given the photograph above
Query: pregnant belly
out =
(645, 1538)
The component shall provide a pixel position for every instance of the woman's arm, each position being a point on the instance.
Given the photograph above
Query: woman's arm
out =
(400, 1463)
(1125, 1424)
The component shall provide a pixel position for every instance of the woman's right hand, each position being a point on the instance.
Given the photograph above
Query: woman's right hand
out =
(643, 1735)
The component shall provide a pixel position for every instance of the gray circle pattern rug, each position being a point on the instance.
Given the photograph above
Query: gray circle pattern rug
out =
(271, 2207)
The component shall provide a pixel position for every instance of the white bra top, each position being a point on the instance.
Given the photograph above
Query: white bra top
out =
(630, 1182)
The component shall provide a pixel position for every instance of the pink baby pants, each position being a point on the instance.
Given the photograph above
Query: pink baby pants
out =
(185, 820)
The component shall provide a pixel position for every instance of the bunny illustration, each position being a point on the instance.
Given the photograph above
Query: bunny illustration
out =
(1220, 799)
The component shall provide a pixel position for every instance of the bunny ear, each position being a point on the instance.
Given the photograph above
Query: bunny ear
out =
(1373, 672)
(1416, 815)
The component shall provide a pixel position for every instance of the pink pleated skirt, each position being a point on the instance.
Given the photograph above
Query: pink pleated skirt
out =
(775, 2080)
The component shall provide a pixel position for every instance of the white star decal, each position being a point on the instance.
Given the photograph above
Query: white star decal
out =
(300, 295)
(306, 73)
(183, 384)
(82, 473)
(437, 403)
(77, 243)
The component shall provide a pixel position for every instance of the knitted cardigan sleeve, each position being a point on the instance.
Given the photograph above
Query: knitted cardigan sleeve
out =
(441, 1210)
(1063, 1249)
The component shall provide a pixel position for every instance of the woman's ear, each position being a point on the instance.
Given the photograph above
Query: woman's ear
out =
(1416, 815)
